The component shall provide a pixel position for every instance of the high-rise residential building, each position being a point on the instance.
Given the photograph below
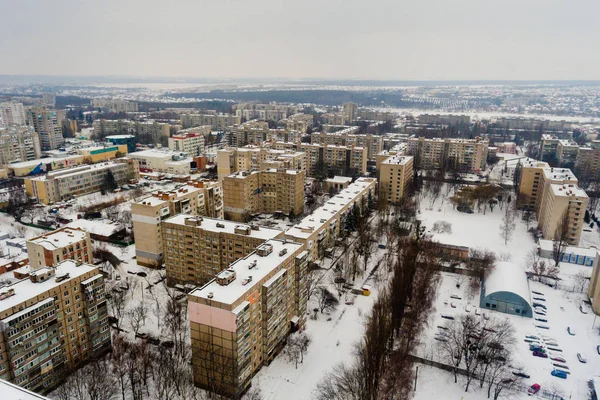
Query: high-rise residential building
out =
(49, 99)
(72, 182)
(465, 154)
(149, 130)
(197, 248)
(333, 118)
(394, 177)
(350, 111)
(202, 198)
(115, 106)
(47, 125)
(188, 142)
(567, 152)
(318, 231)
(257, 132)
(240, 320)
(246, 193)
(51, 323)
(54, 247)
(594, 288)
(373, 143)
(231, 159)
(552, 192)
(19, 143)
(587, 164)
(327, 159)
(12, 113)
(218, 122)
(548, 146)
(266, 112)
(299, 122)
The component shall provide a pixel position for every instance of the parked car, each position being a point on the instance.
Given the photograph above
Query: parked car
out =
(581, 358)
(559, 374)
(532, 337)
(540, 354)
(521, 374)
(583, 309)
(539, 305)
(538, 293)
(534, 388)
(557, 358)
(571, 331)
(598, 349)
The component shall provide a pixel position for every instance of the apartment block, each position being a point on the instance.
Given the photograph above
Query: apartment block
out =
(115, 106)
(246, 193)
(47, 125)
(394, 177)
(340, 160)
(256, 132)
(298, 122)
(350, 111)
(448, 119)
(319, 230)
(150, 129)
(19, 143)
(12, 113)
(240, 320)
(218, 122)
(230, 160)
(375, 115)
(51, 323)
(466, 154)
(333, 118)
(54, 247)
(197, 248)
(72, 182)
(163, 161)
(195, 198)
(551, 192)
(594, 288)
(567, 152)
(373, 143)
(190, 143)
(588, 160)
(265, 112)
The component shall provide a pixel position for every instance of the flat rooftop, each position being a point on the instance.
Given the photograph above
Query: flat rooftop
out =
(25, 289)
(322, 215)
(46, 160)
(67, 172)
(154, 153)
(230, 293)
(559, 173)
(339, 179)
(548, 245)
(568, 190)
(10, 391)
(398, 159)
(59, 238)
(210, 224)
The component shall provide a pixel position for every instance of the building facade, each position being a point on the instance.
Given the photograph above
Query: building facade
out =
(72, 182)
(115, 106)
(373, 143)
(465, 154)
(190, 143)
(395, 176)
(54, 247)
(230, 160)
(268, 191)
(218, 122)
(12, 113)
(47, 126)
(333, 159)
(52, 322)
(240, 320)
(197, 248)
(19, 143)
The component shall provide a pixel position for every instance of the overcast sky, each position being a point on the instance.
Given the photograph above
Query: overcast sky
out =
(344, 39)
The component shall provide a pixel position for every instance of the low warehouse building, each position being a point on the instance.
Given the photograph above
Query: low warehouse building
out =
(507, 290)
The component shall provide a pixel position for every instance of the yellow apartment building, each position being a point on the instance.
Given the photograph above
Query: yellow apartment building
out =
(197, 248)
(395, 175)
(466, 154)
(62, 244)
(250, 157)
(240, 320)
(340, 160)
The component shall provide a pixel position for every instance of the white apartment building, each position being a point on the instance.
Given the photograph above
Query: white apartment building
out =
(188, 142)
(46, 123)
(115, 105)
(19, 143)
(12, 113)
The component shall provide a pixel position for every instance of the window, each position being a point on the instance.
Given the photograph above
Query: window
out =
(493, 306)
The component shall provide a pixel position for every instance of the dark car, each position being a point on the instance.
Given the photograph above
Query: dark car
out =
(521, 374)
(541, 354)
(539, 305)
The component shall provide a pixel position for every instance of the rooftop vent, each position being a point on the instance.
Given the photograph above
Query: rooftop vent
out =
(225, 277)
(252, 265)
(282, 252)
(5, 294)
(210, 295)
(220, 225)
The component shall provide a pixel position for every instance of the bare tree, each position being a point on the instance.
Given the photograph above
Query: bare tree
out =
(296, 347)
(137, 317)
(119, 356)
(540, 268)
(507, 226)
(326, 300)
(581, 279)
(561, 238)
(117, 304)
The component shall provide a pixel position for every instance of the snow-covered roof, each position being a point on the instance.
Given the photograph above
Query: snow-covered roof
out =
(96, 227)
(33, 163)
(25, 289)
(321, 216)
(339, 179)
(508, 277)
(119, 137)
(14, 392)
(224, 226)
(568, 190)
(547, 245)
(398, 159)
(228, 294)
(59, 238)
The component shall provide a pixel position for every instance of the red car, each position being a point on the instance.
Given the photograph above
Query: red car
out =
(534, 388)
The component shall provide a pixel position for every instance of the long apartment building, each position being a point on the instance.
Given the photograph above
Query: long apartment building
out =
(246, 193)
(54, 247)
(51, 323)
(299, 122)
(195, 198)
(585, 159)
(466, 154)
(190, 140)
(12, 113)
(19, 143)
(218, 122)
(115, 106)
(150, 128)
(197, 248)
(319, 230)
(231, 159)
(552, 192)
(373, 143)
(240, 320)
(395, 176)
(266, 112)
(47, 125)
(256, 132)
(336, 159)
(72, 182)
